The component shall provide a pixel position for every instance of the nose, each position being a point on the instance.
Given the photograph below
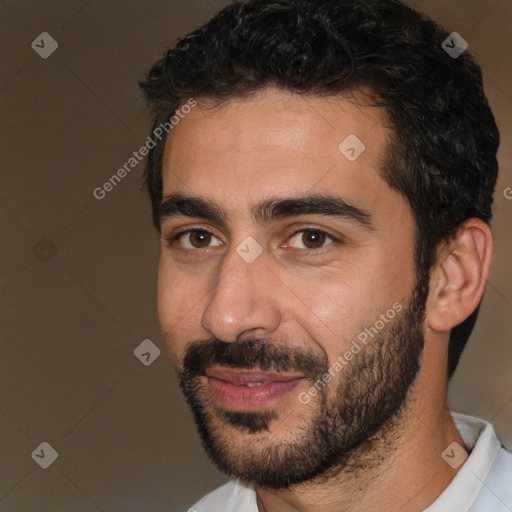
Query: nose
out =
(244, 300)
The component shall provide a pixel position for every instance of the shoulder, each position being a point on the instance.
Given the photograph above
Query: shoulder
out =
(498, 485)
(496, 492)
(488, 470)
(231, 497)
(483, 482)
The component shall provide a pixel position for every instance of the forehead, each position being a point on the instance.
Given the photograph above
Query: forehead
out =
(277, 143)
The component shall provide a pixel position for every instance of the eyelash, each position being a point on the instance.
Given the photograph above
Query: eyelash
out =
(172, 239)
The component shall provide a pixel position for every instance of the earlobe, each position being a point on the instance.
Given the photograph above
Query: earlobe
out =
(460, 275)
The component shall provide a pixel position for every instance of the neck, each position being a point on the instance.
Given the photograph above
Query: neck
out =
(399, 468)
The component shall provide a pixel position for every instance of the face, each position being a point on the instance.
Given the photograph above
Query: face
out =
(287, 285)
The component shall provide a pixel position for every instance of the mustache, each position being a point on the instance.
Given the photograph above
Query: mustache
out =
(250, 353)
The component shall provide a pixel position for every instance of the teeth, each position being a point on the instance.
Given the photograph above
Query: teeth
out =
(253, 384)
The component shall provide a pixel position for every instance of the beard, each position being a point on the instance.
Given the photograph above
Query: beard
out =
(345, 421)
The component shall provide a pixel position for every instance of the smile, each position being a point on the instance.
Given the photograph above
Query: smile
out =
(249, 390)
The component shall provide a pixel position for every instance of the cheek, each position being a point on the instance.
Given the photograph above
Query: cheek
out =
(177, 312)
(341, 295)
(178, 296)
(341, 307)
(329, 312)
(166, 299)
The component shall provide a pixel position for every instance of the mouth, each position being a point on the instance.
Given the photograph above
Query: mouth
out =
(249, 390)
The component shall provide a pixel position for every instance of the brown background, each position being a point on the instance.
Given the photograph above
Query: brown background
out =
(70, 321)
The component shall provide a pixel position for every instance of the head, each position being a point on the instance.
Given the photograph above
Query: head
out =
(335, 242)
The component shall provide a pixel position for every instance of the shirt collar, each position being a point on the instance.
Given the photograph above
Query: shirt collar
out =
(479, 437)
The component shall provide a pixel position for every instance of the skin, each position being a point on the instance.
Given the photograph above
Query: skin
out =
(277, 145)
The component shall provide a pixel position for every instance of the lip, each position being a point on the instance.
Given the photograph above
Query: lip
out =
(229, 387)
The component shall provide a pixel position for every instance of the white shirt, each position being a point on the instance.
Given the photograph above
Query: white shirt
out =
(483, 483)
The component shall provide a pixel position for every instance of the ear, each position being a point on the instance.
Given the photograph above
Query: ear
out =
(459, 277)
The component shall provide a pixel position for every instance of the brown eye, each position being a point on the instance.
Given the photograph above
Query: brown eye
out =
(310, 239)
(198, 239)
(313, 239)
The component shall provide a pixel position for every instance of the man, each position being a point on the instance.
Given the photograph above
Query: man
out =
(323, 195)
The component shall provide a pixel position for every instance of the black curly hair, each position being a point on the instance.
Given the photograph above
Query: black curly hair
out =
(442, 152)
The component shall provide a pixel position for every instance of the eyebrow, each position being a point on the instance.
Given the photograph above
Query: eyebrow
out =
(312, 205)
(175, 205)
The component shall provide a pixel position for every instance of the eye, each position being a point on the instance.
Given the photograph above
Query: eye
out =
(197, 239)
(310, 239)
